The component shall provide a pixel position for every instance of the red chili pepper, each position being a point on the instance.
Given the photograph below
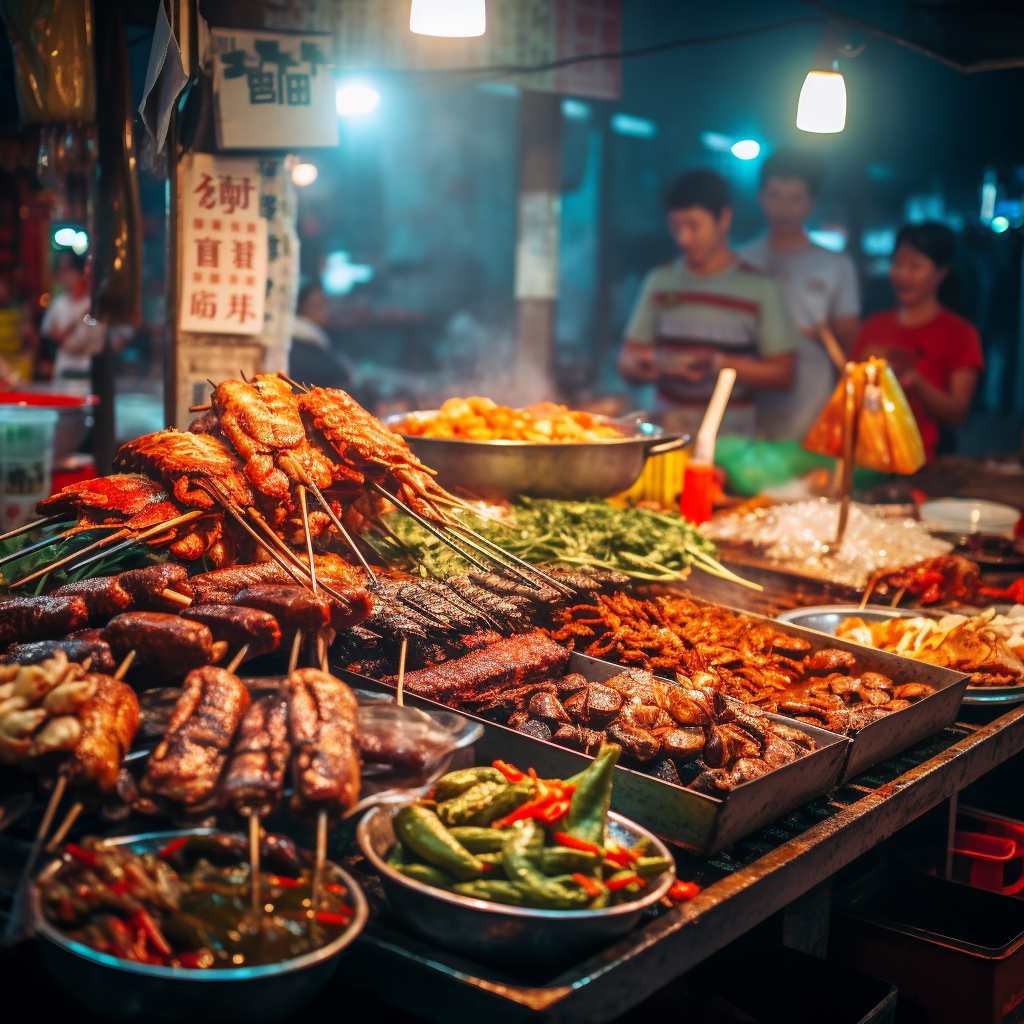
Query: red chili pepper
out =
(84, 856)
(932, 594)
(173, 847)
(564, 839)
(934, 576)
(620, 855)
(683, 891)
(556, 810)
(589, 885)
(284, 883)
(142, 920)
(326, 917)
(200, 960)
(532, 772)
(621, 883)
(339, 889)
(510, 771)
(119, 888)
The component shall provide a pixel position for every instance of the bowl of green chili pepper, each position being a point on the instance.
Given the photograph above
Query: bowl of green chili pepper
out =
(507, 867)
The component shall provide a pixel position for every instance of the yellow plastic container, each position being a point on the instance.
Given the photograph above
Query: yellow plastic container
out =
(661, 481)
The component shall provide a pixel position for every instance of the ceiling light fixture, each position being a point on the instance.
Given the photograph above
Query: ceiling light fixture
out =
(354, 99)
(821, 108)
(745, 149)
(452, 18)
(304, 174)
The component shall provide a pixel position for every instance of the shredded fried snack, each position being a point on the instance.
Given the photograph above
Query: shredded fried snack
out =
(481, 419)
(988, 646)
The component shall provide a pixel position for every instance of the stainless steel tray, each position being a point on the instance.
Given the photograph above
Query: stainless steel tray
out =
(695, 821)
(826, 619)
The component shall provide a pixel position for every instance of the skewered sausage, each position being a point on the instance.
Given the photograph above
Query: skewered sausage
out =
(322, 721)
(238, 626)
(23, 619)
(254, 777)
(76, 651)
(165, 645)
(103, 596)
(293, 607)
(186, 765)
(147, 585)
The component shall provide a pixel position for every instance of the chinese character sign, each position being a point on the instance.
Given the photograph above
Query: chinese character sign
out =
(273, 90)
(224, 247)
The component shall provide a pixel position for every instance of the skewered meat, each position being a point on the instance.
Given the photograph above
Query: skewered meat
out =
(103, 596)
(165, 645)
(98, 651)
(181, 459)
(221, 585)
(146, 586)
(510, 661)
(185, 766)
(126, 494)
(293, 607)
(109, 720)
(23, 619)
(237, 626)
(322, 715)
(254, 777)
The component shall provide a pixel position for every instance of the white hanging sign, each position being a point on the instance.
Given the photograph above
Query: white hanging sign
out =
(273, 90)
(224, 247)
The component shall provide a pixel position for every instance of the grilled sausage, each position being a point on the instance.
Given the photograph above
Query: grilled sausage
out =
(186, 765)
(109, 721)
(165, 645)
(293, 607)
(322, 722)
(238, 626)
(254, 778)
(103, 596)
(75, 650)
(23, 619)
(146, 586)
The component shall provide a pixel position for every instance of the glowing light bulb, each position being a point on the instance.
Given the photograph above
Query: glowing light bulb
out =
(999, 224)
(353, 99)
(452, 18)
(745, 149)
(822, 105)
(304, 174)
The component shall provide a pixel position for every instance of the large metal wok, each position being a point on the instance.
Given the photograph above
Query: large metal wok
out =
(570, 472)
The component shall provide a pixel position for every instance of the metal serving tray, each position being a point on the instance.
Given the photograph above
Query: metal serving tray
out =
(826, 619)
(695, 821)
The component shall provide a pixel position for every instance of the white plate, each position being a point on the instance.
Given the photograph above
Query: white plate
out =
(969, 515)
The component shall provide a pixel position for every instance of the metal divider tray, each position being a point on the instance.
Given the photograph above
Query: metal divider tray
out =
(700, 823)
(893, 733)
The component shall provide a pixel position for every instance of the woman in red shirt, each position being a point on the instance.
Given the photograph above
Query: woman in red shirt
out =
(935, 353)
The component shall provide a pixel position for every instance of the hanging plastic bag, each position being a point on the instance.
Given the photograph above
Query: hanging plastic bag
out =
(905, 441)
(53, 63)
(826, 435)
(873, 449)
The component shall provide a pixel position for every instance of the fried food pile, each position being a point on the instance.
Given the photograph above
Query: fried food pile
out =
(732, 654)
(481, 419)
(988, 646)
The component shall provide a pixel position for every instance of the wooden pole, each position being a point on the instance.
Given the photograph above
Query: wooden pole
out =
(540, 189)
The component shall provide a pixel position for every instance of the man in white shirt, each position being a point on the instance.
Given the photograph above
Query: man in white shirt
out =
(820, 287)
(66, 322)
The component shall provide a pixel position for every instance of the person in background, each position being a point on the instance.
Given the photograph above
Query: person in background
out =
(704, 312)
(935, 354)
(820, 287)
(312, 357)
(65, 323)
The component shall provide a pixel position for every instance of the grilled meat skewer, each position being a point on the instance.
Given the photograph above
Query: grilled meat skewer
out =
(165, 645)
(254, 777)
(23, 619)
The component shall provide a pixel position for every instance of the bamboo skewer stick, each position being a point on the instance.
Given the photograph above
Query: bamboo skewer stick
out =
(294, 384)
(318, 869)
(101, 543)
(173, 596)
(346, 536)
(898, 596)
(867, 592)
(39, 545)
(309, 538)
(65, 827)
(293, 658)
(400, 696)
(122, 670)
(238, 658)
(254, 863)
(37, 525)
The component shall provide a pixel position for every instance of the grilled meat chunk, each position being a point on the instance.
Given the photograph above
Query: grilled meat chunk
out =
(238, 626)
(103, 596)
(830, 661)
(324, 732)
(23, 619)
(254, 777)
(186, 765)
(213, 586)
(75, 650)
(165, 645)
(146, 586)
(293, 607)
(109, 720)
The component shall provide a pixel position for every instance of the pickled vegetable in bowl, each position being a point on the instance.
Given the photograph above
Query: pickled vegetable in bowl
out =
(190, 905)
(500, 835)
(481, 419)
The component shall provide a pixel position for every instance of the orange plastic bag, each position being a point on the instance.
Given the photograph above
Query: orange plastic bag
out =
(826, 435)
(873, 450)
(905, 441)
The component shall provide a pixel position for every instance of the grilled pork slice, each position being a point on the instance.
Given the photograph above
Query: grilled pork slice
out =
(254, 778)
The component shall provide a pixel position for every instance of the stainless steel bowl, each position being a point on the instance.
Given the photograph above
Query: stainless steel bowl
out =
(570, 472)
(123, 990)
(493, 932)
